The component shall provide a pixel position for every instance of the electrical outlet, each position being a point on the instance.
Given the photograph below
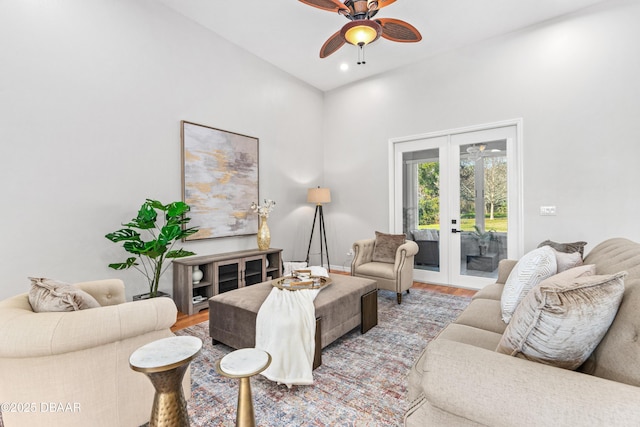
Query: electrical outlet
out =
(350, 253)
(547, 210)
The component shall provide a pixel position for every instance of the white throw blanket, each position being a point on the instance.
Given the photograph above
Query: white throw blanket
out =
(286, 328)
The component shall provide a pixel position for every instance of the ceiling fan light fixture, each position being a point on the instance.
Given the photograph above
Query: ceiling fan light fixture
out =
(361, 32)
(475, 152)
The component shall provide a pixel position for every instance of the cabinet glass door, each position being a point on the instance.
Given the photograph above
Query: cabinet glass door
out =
(253, 271)
(228, 275)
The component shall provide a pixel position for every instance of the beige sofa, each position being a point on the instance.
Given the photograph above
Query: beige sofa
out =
(459, 379)
(79, 361)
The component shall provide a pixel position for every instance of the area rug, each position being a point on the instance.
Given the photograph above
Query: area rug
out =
(362, 380)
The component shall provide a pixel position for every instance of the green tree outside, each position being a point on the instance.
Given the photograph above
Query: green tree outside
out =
(495, 197)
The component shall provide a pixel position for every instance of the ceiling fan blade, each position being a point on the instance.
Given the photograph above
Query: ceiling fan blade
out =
(330, 5)
(381, 3)
(399, 31)
(334, 43)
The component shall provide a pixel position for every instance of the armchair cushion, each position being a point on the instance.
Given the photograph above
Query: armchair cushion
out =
(378, 269)
(386, 246)
(50, 295)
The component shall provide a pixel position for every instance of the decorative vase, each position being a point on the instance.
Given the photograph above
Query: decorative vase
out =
(196, 274)
(264, 236)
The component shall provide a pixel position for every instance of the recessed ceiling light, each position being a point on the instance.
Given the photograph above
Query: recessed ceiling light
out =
(344, 66)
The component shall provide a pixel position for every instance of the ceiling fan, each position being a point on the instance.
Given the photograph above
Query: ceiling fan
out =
(361, 28)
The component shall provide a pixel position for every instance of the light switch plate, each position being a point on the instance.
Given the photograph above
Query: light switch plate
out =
(547, 210)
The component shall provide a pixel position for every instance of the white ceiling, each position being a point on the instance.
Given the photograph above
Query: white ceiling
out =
(289, 34)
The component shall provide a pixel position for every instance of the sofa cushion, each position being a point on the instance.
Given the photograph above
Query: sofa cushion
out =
(617, 357)
(470, 335)
(561, 322)
(483, 314)
(565, 247)
(530, 270)
(492, 291)
(386, 246)
(47, 295)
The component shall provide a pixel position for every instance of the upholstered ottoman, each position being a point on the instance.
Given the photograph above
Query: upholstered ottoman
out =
(345, 304)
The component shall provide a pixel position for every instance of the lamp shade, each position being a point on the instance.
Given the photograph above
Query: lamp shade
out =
(361, 32)
(318, 195)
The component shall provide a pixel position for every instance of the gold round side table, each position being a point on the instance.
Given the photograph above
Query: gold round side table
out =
(244, 364)
(165, 362)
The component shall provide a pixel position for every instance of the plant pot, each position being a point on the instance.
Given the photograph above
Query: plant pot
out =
(146, 296)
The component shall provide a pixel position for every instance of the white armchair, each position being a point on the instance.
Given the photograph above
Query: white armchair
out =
(79, 360)
(396, 277)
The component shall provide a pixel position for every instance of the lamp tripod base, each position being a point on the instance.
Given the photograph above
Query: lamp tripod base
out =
(324, 248)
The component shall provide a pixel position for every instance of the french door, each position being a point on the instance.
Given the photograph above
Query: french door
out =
(458, 194)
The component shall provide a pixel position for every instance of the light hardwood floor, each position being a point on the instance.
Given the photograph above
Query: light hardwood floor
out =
(184, 321)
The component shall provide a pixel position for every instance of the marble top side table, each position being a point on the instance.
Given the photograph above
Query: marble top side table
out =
(165, 362)
(243, 364)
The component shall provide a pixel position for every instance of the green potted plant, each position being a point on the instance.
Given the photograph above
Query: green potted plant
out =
(150, 255)
(483, 237)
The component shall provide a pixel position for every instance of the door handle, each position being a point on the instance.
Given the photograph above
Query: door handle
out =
(453, 230)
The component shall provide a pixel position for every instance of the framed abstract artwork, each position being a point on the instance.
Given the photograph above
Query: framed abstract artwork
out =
(219, 181)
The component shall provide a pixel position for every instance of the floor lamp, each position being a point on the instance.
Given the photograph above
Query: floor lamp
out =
(319, 196)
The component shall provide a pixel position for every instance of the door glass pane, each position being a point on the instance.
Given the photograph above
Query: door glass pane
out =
(483, 208)
(421, 206)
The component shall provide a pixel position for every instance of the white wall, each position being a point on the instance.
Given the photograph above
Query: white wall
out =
(574, 81)
(92, 94)
(91, 98)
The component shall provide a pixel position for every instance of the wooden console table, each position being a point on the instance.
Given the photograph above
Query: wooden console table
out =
(221, 273)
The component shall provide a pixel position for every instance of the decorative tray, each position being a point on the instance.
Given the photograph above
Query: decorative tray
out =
(301, 279)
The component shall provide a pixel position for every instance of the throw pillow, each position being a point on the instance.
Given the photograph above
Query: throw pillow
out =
(561, 322)
(569, 275)
(530, 270)
(565, 247)
(50, 295)
(567, 261)
(385, 247)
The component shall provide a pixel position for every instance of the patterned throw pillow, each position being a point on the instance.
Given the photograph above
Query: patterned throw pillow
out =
(50, 295)
(386, 246)
(530, 270)
(565, 247)
(561, 322)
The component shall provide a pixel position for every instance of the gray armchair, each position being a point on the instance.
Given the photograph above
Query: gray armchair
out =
(396, 277)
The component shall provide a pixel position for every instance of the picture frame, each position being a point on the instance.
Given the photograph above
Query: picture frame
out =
(220, 174)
